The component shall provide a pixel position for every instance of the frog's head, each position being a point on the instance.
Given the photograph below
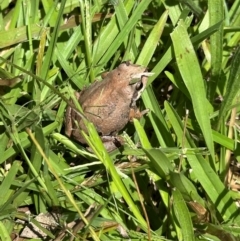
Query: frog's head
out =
(134, 76)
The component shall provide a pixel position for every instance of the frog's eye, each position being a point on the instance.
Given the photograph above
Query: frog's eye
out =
(139, 85)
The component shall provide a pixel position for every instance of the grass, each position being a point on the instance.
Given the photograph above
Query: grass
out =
(176, 178)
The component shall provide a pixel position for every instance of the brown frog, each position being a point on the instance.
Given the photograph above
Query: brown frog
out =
(109, 104)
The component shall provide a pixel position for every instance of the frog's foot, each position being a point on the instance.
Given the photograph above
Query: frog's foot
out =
(112, 142)
(136, 113)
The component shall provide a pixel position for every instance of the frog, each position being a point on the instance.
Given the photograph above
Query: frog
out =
(109, 104)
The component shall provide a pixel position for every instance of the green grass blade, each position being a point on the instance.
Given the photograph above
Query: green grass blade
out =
(19, 197)
(25, 141)
(217, 137)
(87, 32)
(137, 14)
(4, 232)
(232, 88)
(157, 119)
(186, 187)
(121, 13)
(51, 47)
(16, 15)
(5, 185)
(209, 180)
(152, 41)
(95, 143)
(183, 216)
(168, 55)
(141, 134)
(162, 168)
(108, 34)
(216, 14)
(50, 8)
(186, 57)
(4, 141)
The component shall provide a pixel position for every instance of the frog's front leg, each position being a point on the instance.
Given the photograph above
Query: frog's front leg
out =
(136, 113)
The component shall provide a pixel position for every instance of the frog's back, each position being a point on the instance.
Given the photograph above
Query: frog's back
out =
(106, 108)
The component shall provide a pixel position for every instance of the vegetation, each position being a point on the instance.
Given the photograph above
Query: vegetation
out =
(176, 178)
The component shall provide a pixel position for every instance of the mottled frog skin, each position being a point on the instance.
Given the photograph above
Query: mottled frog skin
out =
(109, 104)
